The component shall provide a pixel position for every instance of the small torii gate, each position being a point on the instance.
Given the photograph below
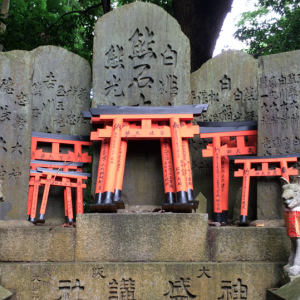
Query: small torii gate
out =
(135, 123)
(227, 138)
(247, 172)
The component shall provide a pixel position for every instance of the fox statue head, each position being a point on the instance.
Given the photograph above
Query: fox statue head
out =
(291, 193)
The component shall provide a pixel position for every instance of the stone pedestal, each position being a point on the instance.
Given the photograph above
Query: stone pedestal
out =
(148, 256)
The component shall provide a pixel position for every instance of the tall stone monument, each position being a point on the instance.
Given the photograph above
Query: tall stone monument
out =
(228, 83)
(15, 132)
(61, 85)
(141, 57)
(278, 117)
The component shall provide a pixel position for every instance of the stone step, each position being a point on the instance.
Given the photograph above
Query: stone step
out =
(143, 237)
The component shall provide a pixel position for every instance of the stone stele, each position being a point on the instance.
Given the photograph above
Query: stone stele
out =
(61, 86)
(278, 117)
(228, 82)
(15, 132)
(141, 57)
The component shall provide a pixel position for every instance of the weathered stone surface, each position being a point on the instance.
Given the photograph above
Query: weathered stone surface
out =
(155, 281)
(289, 291)
(228, 82)
(248, 244)
(4, 294)
(61, 86)
(278, 119)
(202, 204)
(37, 244)
(142, 59)
(15, 132)
(15, 224)
(141, 237)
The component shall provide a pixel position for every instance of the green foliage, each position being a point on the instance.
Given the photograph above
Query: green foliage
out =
(34, 23)
(31, 23)
(273, 22)
(165, 4)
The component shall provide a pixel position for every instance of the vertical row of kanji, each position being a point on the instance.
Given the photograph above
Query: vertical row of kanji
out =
(43, 90)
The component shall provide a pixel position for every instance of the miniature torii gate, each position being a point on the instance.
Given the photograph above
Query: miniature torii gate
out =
(223, 145)
(55, 140)
(247, 172)
(124, 127)
(35, 178)
(50, 179)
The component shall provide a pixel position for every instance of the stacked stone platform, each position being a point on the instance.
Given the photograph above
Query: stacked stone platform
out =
(147, 256)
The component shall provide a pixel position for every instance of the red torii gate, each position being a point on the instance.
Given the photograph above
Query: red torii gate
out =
(155, 123)
(56, 140)
(247, 172)
(50, 179)
(35, 178)
(227, 138)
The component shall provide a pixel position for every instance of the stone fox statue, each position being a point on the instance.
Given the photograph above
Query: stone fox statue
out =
(291, 200)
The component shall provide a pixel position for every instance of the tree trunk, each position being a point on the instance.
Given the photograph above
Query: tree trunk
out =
(201, 21)
(106, 6)
(4, 11)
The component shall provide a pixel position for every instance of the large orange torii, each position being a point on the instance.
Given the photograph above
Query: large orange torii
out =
(166, 123)
(239, 138)
(263, 170)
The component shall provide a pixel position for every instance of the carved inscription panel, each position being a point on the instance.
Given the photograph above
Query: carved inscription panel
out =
(279, 103)
(61, 90)
(143, 59)
(228, 83)
(15, 131)
(141, 281)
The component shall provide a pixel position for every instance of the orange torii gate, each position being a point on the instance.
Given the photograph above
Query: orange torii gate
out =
(34, 176)
(124, 123)
(66, 181)
(227, 138)
(56, 140)
(247, 172)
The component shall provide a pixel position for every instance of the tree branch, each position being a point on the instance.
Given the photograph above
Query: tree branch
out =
(72, 12)
(262, 50)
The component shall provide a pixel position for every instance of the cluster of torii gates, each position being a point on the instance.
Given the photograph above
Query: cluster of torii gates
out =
(173, 126)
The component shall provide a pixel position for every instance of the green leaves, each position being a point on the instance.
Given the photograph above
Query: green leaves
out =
(273, 22)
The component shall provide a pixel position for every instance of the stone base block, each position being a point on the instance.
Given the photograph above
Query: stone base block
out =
(155, 281)
(248, 244)
(141, 237)
(37, 244)
(5, 294)
(290, 291)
